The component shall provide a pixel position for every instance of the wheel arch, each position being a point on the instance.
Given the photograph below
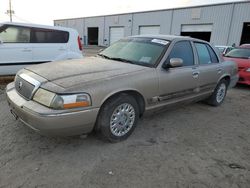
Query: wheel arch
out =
(225, 77)
(137, 95)
(134, 93)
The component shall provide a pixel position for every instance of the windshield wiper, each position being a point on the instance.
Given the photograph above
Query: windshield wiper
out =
(104, 56)
(123, 60)
(117, 59)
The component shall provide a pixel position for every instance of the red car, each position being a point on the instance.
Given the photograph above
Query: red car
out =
(242, 57)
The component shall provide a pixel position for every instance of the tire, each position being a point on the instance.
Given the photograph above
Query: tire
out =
(118, 118)
(219, 94)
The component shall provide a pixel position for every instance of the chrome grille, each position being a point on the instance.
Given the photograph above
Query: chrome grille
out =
(26, 86)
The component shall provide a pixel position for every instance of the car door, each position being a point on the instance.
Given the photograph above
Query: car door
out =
(210, 69)
(15, 48)
(49, 45)
(179, 83)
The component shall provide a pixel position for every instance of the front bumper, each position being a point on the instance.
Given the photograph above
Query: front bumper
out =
(244, 77)
(47, 121)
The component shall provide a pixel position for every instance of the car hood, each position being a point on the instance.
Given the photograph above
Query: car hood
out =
(241, 62)
(82, 71)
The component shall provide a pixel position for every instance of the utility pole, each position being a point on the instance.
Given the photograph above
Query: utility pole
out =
(10, 11)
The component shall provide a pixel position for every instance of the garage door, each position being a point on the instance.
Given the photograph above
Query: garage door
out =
(197, 28)
(152, 30)
(202, 32)
(115, 34)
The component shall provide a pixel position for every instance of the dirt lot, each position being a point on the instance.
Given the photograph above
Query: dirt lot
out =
(196, 146)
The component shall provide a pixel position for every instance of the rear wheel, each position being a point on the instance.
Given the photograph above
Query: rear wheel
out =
(219, 94)
(118, 118)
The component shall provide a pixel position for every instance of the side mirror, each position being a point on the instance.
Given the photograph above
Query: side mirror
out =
(174, 62)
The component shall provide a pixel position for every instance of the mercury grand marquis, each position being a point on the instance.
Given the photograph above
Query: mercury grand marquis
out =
(109, 92)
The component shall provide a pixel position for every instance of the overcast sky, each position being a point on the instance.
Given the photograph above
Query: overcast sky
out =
(45, 11)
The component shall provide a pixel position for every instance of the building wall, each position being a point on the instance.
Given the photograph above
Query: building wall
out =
(60, 22)
(161, 18)
(241, 14)
(226, 19)
(77, 24)
(124, 20)
(218, 16)
(95, 22)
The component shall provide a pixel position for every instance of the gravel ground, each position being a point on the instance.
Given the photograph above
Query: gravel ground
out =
(194, 146)
(92, 50)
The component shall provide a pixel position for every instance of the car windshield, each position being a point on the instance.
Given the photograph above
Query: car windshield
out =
(239, 53)
(140, 51)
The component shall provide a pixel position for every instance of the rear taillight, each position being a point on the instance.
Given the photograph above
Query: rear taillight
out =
(79, 43)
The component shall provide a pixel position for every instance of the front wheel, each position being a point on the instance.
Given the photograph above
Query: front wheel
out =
(219, 94)
(118, 118)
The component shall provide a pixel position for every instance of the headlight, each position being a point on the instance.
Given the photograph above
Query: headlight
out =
(248, 70)
(44, 97)
(59, 102)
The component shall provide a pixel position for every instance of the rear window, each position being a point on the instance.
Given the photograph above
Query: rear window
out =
(49, 36)
(203, 53)
(213, 56)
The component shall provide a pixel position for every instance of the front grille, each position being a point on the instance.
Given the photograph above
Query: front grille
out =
(241, 68)
(23, 87)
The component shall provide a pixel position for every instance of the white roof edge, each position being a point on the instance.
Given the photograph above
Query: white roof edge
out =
(37, 25)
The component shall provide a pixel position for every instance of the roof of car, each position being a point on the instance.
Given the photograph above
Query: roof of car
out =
(245, 46)
(37, 25)
(166, 37)
(222, 46)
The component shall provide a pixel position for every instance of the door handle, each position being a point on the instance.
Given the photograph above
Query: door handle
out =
(196, 74)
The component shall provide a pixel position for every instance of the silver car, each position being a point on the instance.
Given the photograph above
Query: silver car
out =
(111, 91)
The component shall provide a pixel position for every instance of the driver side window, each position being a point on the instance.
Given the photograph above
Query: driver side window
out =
(183, 50)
